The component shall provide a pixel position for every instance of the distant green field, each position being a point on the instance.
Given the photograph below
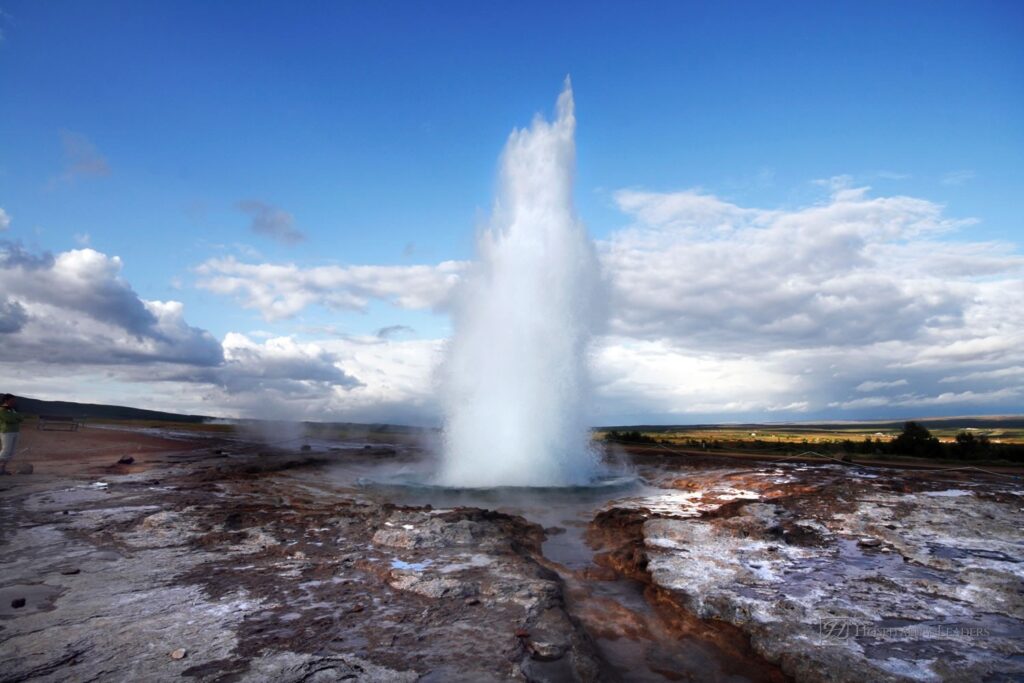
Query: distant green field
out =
(793, 436)
(998, 430)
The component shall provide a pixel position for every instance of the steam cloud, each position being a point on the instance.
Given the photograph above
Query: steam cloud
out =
(516, 374)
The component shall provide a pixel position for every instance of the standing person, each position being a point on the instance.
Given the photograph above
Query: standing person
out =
(10, 424)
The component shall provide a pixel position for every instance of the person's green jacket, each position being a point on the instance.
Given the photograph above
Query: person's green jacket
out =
(10, 421)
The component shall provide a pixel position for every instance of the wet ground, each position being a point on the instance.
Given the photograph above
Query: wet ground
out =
(219, 559)
(634, 641)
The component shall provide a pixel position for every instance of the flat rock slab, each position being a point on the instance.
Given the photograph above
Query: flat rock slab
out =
(844, 578)
(247, 574)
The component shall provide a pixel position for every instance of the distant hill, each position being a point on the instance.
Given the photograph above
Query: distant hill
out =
(81, 411)
(35, 406)
(979, 422)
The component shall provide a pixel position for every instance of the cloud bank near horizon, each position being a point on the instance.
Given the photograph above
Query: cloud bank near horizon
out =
(853, 307)
(858, 306)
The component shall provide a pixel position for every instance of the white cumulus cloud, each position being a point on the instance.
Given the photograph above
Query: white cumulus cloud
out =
(280, 291)
(74, 307)
(856, 306)
(876, 385)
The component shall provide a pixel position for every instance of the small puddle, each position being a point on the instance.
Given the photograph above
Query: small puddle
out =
(104, 555)
(954, 553)
(34, 597)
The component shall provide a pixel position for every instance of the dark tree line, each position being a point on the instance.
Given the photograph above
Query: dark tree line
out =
(628, 437)
(916, 441)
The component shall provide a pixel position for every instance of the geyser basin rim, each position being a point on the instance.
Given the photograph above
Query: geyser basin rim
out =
(408, 482)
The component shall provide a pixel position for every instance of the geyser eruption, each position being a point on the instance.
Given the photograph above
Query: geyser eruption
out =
(516, 372)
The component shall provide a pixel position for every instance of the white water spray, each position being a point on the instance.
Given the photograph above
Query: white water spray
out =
(516, 375)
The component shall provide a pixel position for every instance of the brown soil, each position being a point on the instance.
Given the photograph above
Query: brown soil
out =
(88, 452)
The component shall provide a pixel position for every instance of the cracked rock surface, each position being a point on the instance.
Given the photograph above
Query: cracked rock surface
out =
(197, 563)
(209, 558)
(839, 575)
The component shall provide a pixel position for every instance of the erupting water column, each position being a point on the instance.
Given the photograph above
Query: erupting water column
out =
(515, 376)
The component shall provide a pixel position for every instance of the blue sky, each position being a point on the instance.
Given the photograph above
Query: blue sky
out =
(137, 129)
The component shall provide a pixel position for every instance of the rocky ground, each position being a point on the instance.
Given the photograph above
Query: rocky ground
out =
(839, 573)
(216, 559)
(210, 563)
